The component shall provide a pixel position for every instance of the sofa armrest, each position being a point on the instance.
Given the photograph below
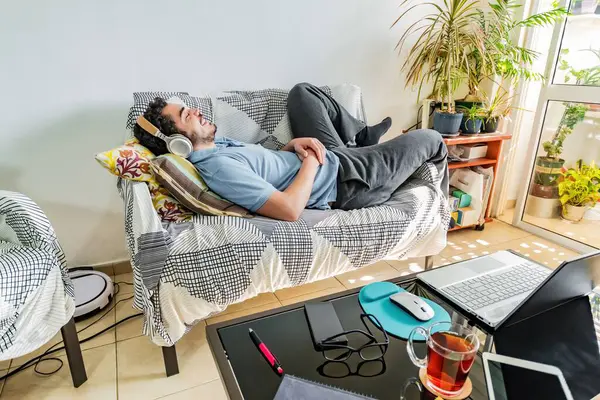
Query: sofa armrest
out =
(33, 229)
(148, 242)
(140, 215)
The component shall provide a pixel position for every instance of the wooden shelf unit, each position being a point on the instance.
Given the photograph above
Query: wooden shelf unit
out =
(494, 142)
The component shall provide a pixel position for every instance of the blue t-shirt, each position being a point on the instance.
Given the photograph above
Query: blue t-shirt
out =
(248, 174)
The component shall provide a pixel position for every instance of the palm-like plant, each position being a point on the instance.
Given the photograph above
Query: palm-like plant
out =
(508, 60)
(446, 38)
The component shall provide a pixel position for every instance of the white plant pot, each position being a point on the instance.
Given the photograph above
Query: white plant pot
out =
(573, 213)
(542, 208)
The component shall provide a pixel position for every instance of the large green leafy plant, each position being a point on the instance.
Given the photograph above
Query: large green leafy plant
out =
(509, 60)
(458, 42)
(580, 186)
(446, 37)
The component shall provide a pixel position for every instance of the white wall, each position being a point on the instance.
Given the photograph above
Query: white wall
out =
(68, 69)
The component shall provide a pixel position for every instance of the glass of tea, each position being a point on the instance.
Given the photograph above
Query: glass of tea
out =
(451, 351)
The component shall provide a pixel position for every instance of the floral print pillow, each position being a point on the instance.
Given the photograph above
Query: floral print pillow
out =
(168, 208)
(132, 161)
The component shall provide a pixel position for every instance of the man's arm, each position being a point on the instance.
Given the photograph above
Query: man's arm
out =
(289, 204)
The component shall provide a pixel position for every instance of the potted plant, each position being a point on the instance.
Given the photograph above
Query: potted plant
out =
(548, 167)
(504, 58)
(472, 120)
(498, 108)
(579, 189)
(543, 201)
(544, 193)
(574, 113)
(446, 36)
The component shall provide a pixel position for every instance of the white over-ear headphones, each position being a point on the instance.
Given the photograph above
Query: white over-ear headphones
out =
(177, 144)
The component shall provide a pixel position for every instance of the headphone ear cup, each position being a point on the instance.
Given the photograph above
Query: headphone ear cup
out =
(180, 145)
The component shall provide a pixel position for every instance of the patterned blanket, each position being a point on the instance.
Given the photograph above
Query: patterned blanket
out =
(36, 294)
(186, 272)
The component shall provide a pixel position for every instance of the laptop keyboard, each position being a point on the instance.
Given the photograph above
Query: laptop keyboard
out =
(492, 288)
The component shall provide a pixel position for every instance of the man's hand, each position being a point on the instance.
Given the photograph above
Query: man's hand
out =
(302, 146)
(309, 154)
(289, 204)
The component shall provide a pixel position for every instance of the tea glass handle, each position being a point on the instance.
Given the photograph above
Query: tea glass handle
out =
(411, 381)
(419, 362)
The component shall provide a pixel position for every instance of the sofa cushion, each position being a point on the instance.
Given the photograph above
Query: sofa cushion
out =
(184, 182)
(250, 116)
(132, 161)
(168, 208)
(129, 161)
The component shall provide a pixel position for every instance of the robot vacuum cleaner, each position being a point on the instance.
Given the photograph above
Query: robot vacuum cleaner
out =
(93, 291)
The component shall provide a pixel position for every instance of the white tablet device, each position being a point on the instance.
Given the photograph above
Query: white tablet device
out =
(509, 378)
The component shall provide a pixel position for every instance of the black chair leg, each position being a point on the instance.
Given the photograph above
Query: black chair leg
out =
(73, 349)
(170, 358)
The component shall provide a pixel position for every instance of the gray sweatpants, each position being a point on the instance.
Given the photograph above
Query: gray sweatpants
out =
(368, 176)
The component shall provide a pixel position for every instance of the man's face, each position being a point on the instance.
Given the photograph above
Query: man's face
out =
(190, 122)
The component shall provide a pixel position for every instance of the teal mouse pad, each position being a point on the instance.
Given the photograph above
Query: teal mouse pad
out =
(375, 299)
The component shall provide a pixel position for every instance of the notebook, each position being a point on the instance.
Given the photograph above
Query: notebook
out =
(294, 388)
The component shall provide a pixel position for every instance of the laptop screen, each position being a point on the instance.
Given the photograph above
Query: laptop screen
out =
(571, 280)
(512, 382)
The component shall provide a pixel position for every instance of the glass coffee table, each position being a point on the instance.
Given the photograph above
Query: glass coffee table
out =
(285, 331)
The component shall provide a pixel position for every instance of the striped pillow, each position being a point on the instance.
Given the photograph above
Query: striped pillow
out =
(184, 182)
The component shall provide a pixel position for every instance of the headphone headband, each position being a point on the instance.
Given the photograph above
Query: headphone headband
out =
(150, 128)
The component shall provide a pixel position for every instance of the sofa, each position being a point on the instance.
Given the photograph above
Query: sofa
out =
(37, 297)
(187, 271)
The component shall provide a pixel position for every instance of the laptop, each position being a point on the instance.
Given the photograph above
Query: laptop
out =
(499, 287)
(509, 378)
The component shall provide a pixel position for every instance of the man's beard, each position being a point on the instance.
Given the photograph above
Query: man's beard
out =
(207, 139)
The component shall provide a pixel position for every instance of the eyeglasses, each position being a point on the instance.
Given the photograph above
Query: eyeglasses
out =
(371, 349)
(341, 369)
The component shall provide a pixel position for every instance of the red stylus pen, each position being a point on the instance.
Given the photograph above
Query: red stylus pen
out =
(264, 350)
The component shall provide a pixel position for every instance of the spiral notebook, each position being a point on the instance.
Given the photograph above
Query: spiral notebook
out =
(294, 388)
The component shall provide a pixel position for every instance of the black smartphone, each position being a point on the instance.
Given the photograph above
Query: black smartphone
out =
(323, 323)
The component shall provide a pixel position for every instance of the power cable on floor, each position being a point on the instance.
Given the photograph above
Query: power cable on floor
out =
(37, 360)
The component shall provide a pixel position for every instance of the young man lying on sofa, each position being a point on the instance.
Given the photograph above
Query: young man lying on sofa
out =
(315, 170)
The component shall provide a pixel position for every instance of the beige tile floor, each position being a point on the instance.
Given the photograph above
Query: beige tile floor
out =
(586, 231)
(123, 364)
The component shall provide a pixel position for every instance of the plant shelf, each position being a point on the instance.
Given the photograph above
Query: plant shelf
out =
(471, 163)
(492, 158)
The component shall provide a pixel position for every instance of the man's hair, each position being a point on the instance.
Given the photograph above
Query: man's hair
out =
(165, 124)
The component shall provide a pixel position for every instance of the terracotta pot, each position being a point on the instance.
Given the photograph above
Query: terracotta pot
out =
(544, 191)
(594, 107)
(573, 213)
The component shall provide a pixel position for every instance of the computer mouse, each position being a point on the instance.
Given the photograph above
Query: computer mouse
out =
(414, 305)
